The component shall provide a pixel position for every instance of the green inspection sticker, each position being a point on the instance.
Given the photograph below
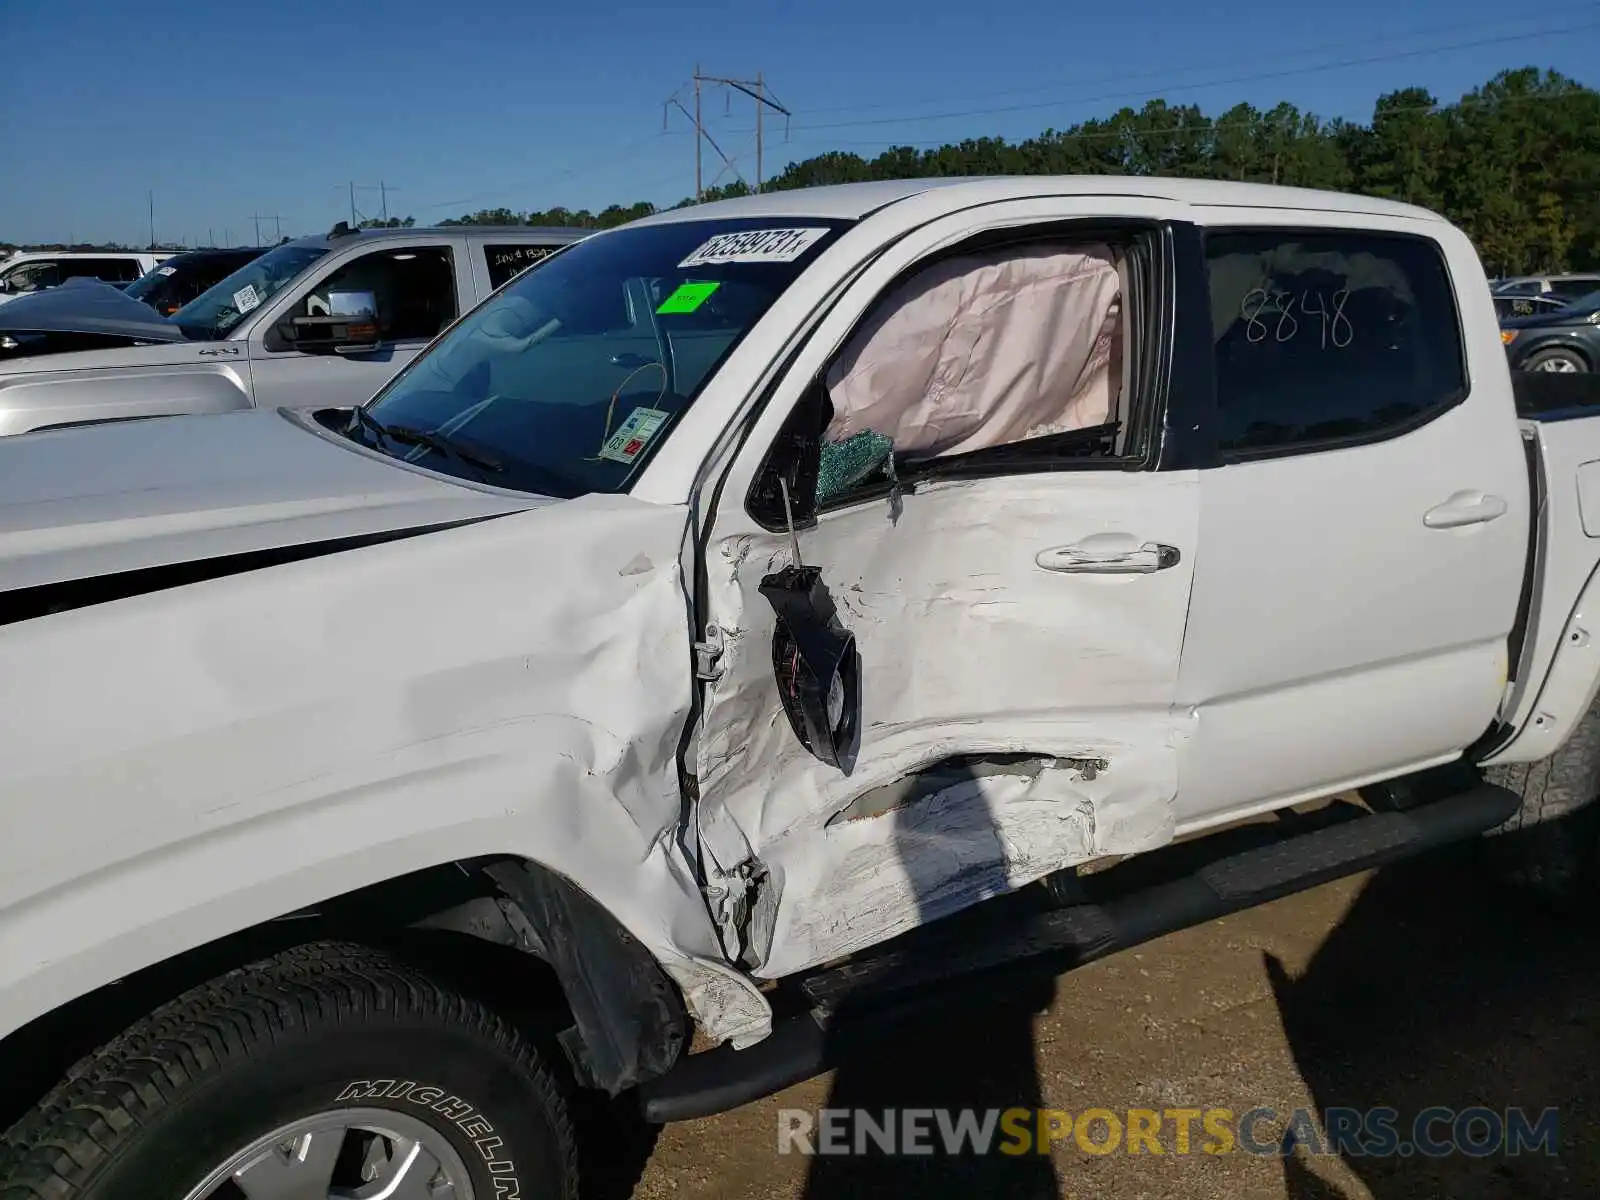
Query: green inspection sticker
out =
(624, 445)
(688, 297)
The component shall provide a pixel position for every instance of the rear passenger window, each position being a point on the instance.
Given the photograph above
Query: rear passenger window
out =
(506, 261)
(1323, 338)
(110, 270)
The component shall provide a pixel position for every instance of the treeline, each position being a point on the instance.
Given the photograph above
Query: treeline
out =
(1516, 162)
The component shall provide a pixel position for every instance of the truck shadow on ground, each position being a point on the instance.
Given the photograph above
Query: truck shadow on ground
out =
(966, 1057)
(1442, 988)
(1438, 988)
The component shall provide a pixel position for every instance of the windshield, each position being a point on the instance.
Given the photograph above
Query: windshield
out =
(1582, 306)
(566, 380)
(149, 282)
(219, 308)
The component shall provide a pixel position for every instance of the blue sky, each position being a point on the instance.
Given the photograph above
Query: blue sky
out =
(227, 110)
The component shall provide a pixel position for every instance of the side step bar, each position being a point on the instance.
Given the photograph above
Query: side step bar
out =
(859, 1000)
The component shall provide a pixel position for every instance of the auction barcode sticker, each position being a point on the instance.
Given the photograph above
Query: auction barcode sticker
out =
(754, 246)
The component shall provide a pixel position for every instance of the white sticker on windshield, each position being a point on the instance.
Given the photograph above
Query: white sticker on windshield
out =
(754, 246)
(166, 270)
(245, 298)
(633, 435)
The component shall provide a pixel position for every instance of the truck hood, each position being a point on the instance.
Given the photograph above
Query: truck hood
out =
(104, 500)
(87, 307)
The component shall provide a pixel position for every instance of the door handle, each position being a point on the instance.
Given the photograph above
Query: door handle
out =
(1465, 508)
(1089, 558)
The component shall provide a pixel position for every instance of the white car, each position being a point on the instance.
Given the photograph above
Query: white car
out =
(724, 597)
(32, 271)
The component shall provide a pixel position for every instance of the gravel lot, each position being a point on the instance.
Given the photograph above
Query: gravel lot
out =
(1415, 986)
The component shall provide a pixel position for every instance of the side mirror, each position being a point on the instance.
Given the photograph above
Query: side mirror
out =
(348, 324)
(816, 665)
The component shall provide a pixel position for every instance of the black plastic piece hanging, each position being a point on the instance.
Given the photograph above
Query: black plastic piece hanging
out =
(816, 665)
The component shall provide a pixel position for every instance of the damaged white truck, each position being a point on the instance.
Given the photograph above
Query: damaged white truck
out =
(626, 699)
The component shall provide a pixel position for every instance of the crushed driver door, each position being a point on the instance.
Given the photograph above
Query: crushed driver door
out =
(958, 676)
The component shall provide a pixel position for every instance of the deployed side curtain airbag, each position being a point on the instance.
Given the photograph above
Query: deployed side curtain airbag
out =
(985, 349)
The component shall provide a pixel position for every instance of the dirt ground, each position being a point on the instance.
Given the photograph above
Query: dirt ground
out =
(1416, 986)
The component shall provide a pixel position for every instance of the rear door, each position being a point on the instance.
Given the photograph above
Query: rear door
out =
(1017, 608)
(1366, 526)
(420, 287)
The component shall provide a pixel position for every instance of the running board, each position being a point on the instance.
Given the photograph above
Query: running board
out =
(854, 1003)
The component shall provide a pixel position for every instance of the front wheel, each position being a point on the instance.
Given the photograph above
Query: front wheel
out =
(1556, 359)
(327, 1071)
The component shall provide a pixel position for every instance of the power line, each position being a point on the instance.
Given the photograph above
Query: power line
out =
(355, 218)
(587, 165)
(1284, 73)
(1455, 27)
(1209, 125)
(756, 89)
(383, 189)
(277, 225)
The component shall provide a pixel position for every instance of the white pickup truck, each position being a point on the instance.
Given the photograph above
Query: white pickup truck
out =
(714, 611)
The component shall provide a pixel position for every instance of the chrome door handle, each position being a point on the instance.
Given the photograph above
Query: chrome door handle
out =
(1465, 508)
(1090, 559)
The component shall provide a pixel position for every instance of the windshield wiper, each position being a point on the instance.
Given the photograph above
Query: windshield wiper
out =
(445, 445)
(360, 416)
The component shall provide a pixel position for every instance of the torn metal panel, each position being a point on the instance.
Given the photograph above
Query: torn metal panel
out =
(967, 647)
(397, 706)
(986, 832)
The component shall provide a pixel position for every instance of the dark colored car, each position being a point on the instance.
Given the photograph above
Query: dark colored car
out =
(1564, 339)
(1528, 306)
(182, 277)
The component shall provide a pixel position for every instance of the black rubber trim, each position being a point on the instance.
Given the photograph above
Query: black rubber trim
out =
(1189, 422)
(24, 604)
(856, 1001)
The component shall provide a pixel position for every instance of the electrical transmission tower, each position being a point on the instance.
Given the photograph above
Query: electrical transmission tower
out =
(383, 190)
(758, 91)
(277, 225)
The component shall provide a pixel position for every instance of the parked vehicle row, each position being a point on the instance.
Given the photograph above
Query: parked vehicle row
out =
(183, 277)
(39, 270)
(1529, 295)
(314, 321)
(671, 649)
(1566, 339)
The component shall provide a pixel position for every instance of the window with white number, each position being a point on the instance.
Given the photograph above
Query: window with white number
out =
(506, 262)
(1327, 338)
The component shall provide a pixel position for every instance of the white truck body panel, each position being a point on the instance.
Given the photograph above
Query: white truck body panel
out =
(234, 778)
(850, 883)
(193, 761)
(1559, 675)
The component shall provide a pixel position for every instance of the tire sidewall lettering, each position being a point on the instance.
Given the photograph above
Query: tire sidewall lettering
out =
(474, 1127)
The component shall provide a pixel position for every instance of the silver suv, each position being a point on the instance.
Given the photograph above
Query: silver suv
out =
(320, 321)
